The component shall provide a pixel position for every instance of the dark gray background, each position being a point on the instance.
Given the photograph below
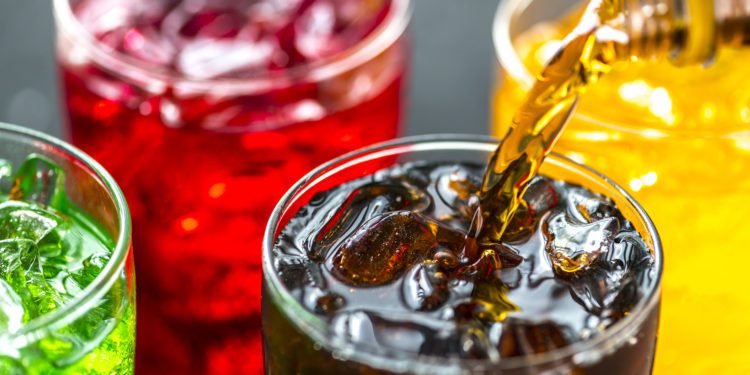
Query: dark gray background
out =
(452, 72)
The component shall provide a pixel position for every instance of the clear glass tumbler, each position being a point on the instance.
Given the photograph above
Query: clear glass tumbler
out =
(74, 288)
(170, 97)
(298, 341)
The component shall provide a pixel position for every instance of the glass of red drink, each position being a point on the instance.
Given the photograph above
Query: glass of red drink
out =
(206, 112)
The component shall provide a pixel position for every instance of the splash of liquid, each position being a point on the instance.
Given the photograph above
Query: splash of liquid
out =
(588, 53)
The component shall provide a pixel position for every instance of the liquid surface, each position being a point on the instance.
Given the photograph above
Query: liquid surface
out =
(676, 139)
(203, 167)
(50, 252)
(381, 260)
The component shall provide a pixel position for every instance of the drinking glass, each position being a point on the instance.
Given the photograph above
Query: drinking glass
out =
(94, 332)
(298, 341)
(203, 159)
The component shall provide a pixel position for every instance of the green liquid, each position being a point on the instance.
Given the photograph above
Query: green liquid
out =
(50, 251)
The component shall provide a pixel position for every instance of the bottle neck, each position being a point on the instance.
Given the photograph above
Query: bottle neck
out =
(683, 31)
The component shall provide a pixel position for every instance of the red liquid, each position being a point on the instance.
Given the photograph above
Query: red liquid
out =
(202, 173)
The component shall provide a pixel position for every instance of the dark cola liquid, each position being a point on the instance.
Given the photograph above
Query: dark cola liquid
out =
(387, 262)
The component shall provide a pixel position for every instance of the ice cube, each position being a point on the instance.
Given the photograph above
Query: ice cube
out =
(102, 16)
(24, 230)
(522, 338)
(298, 271)
(149, 45)
(392, 332)
(92, 267)
(354, 20)
(361, 205)
(315, 31)
(455, 186)
(620, 300)
(591, 290)
(629, 253)
(354, 326)
(587, 207)
(212, 21)
(210, 58)
(70, 344)
(17, 254)
(38, 179)
(20, 267)
(607, 296)
(383, 248)
(77, 245)
(425, 287)
(612, 286)
(572, 246)
(20, 220)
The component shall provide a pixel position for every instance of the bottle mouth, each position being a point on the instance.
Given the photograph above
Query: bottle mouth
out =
(387, 33)
(90, 296)
(396, 361)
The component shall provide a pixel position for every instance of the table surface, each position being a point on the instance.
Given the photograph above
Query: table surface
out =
(451, 77)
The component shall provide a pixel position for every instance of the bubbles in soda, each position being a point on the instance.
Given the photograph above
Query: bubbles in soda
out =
(394, 270)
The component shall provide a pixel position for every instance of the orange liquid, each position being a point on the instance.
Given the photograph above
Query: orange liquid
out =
(679, 140)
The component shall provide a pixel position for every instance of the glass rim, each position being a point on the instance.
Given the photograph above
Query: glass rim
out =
(316, 329)
(102, 283)
(383, 36)
(507, 56)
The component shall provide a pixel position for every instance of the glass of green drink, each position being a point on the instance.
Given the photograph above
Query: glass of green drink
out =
(67, 287)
